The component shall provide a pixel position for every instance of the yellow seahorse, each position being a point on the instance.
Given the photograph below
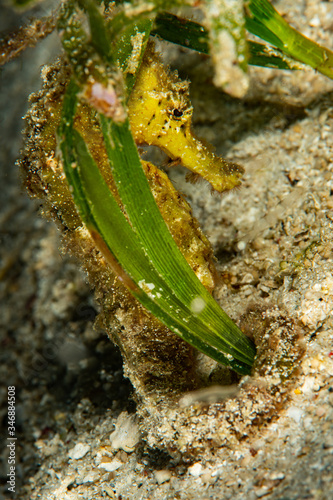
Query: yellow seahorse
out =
(160, 114)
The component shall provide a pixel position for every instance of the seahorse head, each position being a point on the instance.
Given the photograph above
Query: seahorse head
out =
(160, 113)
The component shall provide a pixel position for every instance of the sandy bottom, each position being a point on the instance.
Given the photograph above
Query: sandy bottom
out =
(76, 426)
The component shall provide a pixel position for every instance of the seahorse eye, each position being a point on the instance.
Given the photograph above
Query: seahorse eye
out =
(177, 113)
